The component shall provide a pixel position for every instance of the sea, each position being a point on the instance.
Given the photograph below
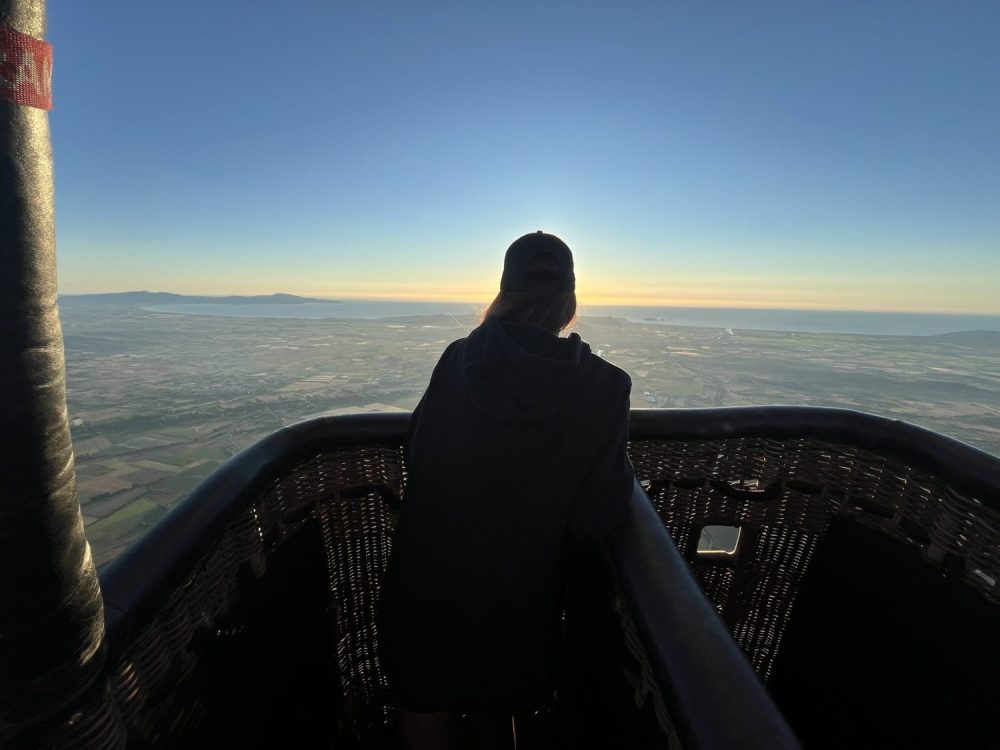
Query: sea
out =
(804, 321)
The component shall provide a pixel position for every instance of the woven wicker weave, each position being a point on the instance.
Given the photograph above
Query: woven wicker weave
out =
(782, 494)
(797, 487)
(154, 695)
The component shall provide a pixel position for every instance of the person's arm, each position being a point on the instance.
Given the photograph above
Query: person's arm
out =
(608, 484)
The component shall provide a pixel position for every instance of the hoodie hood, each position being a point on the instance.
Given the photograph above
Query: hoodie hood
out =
(520, 373)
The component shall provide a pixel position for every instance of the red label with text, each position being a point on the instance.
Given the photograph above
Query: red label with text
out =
(25, 69)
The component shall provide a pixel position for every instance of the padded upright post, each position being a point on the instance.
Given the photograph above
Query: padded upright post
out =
(51, 612)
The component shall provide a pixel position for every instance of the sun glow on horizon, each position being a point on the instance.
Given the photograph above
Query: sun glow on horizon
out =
(598, 301)
(872, 293)
(677, 298)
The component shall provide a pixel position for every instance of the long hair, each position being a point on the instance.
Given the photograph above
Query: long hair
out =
(552, 311)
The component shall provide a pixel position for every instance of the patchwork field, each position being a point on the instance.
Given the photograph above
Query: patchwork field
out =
(158, 400)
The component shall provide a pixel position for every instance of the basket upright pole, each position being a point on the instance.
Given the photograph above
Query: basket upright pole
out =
(51, 611)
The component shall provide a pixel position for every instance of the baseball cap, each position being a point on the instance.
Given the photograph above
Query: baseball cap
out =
(538, 262)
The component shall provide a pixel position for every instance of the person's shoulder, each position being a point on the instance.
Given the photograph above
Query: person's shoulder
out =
(451, 358)
(451, 352)
(447, 369)
(454, 346)
(608, 377)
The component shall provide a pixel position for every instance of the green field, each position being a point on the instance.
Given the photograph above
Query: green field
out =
(122, 526)
(172, 390)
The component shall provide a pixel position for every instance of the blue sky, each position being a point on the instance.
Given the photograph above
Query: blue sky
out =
(769, 155)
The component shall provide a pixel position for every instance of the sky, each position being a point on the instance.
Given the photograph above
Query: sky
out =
(839, 155)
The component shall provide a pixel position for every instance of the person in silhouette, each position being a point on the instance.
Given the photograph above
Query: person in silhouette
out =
(516, 451)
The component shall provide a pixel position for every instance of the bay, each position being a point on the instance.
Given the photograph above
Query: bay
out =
(804, 321)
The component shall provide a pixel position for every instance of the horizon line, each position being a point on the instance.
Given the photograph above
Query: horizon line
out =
(585, 302)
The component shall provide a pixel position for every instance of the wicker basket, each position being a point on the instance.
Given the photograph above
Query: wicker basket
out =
(259, 624)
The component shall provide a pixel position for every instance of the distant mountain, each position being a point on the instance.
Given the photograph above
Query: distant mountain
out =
(968, 338)
(168, 298)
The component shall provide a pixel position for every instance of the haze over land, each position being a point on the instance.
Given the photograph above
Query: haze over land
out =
(169, 298)
(157, 400)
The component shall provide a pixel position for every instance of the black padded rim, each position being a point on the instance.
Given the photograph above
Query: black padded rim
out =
(137, 582)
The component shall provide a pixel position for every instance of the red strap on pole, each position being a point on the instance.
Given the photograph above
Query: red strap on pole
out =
(25, 69)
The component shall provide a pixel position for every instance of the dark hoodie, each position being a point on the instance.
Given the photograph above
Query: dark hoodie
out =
(516, 448)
